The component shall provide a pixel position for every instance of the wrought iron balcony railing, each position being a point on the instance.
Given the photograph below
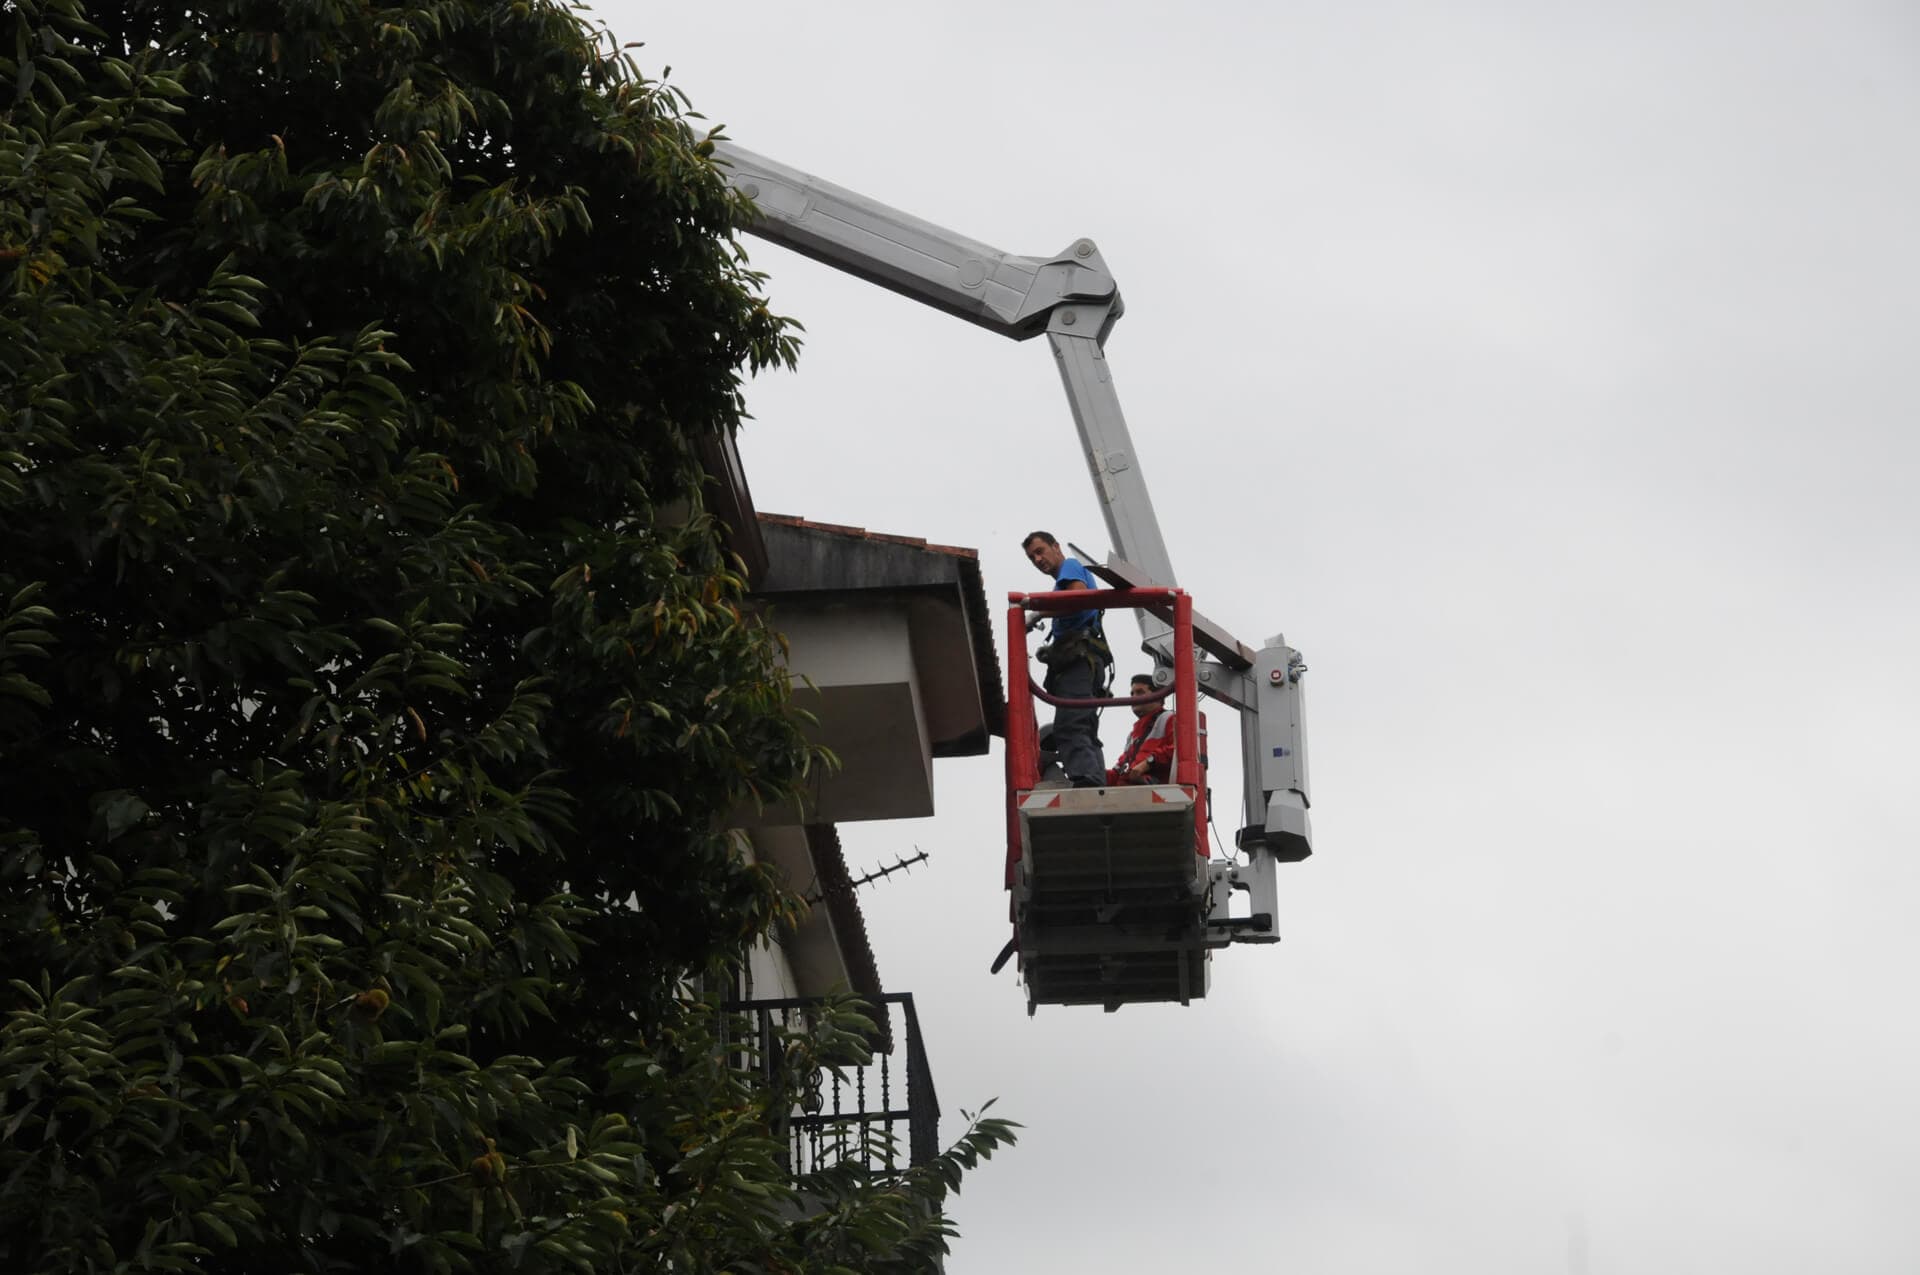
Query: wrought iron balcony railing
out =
(853, 1111)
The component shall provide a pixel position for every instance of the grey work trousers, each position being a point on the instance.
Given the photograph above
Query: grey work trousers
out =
(1076, 735)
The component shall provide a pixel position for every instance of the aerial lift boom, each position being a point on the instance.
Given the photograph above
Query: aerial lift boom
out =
(1073, 299)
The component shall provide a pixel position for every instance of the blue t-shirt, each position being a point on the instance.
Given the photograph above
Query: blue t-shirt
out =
(1078, 621)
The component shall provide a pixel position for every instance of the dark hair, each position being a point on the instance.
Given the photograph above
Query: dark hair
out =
(1032, 536)
(1141, 677)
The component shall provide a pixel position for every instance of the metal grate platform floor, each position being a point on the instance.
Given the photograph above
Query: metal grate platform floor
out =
(1109, 897)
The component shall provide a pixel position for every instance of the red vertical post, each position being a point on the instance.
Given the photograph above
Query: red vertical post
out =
(1023, 741)
(1186, 727)
(1186, 720)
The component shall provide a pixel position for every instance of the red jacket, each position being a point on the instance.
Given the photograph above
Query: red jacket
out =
(1151, 739)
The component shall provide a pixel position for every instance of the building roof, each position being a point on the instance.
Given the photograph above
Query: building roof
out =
(878, 537)
(731, 500)
(808, 558)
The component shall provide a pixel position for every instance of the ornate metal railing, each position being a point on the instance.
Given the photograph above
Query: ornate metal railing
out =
(852, 1111)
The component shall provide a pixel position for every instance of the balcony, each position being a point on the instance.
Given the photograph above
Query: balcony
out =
(851, 1112)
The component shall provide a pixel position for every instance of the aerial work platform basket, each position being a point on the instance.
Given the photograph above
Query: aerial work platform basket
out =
(1110, 886)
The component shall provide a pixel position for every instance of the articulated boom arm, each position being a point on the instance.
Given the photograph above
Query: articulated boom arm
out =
(1014, 296)
(1073, 299)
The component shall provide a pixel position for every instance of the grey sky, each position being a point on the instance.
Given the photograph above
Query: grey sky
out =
(1547, 374)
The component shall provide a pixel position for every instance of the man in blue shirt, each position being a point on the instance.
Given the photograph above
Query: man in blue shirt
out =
(1077, 659)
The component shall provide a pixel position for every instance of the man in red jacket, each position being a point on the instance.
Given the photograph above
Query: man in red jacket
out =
(1148, 756)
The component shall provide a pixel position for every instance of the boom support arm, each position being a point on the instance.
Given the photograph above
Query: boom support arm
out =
(1071, 297)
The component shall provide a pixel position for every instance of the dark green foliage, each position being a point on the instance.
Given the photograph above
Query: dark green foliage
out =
(373, 686)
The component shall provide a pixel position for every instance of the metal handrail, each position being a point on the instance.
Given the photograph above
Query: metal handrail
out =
(842, 1093)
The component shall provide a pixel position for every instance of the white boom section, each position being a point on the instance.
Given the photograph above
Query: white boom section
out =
(1072, 297)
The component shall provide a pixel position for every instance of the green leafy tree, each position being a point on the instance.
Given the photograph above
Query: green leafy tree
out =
(373, 684)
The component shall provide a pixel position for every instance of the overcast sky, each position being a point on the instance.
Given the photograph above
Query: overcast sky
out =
(1547, 374)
